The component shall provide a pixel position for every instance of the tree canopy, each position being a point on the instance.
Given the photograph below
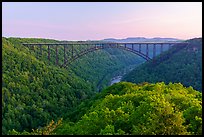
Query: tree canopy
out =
(180, 64)
(145, 109)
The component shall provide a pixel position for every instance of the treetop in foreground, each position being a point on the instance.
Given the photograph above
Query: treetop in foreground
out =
(141, 109)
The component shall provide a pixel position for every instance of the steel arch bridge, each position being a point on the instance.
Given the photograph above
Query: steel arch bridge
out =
(71, 54)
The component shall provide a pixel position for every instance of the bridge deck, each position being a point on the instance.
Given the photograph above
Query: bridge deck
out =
(101, 43)
(128, 46)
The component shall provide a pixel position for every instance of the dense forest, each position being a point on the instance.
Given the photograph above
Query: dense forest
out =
(180, 64)
(34, 92)
(135, 109)
(39, 97)
(97, 67)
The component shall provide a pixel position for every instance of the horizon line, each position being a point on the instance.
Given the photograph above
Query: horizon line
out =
(99, 39)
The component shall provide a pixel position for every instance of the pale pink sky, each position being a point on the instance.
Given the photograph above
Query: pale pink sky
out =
(99, 20)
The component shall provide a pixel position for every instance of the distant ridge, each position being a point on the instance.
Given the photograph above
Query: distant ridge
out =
(142, 39)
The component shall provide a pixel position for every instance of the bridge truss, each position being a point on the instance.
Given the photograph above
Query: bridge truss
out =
(71, 52)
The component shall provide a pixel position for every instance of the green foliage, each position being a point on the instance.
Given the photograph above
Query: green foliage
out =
(31, 91)
(34, 92)
(180, 64)
(47, 130)
(97, 67)
(143, 109)
(109, 130)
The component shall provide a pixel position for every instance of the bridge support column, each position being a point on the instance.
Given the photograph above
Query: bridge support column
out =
(132, 46)
(72, 51)
(161, 48)
(48, 47)
(37, 51)
(41, 50)
(64, 54)
(154, 50)
(56, 55)
(147, 49)
(139, 48)
(125, 46)
(33, 48)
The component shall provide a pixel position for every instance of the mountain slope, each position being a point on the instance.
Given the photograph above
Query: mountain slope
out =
(35, 92)
(180, 64)
(148, 109)
(97, 67)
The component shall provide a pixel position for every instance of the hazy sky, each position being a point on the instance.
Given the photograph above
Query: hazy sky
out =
(99, 20)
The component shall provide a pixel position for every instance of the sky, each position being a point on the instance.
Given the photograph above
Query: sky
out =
(100, 20)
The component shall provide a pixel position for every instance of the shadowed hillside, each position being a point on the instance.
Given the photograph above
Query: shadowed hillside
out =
(180, 64)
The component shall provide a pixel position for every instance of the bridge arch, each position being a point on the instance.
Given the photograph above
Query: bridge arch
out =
(97, 46)
(93, 49)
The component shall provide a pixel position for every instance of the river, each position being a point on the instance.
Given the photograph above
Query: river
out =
(115, 80)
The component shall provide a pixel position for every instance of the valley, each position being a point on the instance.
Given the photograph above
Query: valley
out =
(93, 90)
(102, 68)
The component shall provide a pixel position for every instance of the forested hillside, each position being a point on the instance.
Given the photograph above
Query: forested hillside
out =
(180, 64)
(136, 109)
(97, 67)
(34, 93)
(42, 98)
